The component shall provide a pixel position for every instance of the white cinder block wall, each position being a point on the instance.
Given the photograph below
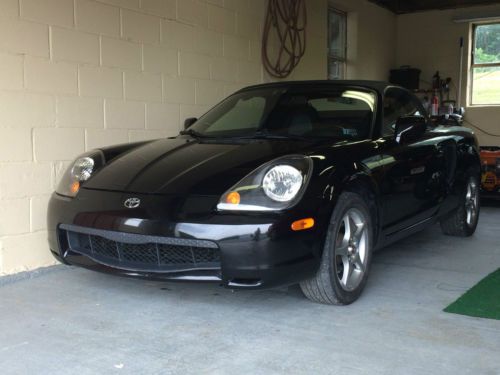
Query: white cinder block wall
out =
(75, 75)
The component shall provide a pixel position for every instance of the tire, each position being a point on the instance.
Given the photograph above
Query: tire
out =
(332, 284)
(462, 222)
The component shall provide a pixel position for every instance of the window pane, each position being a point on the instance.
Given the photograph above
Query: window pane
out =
(486, 85)
(487, 44)
(336, 34)
(336, 69)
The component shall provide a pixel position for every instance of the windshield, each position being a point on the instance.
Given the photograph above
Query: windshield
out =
(341, 112)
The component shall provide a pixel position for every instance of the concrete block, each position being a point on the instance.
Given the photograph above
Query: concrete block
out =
(77, 46)
(11, 71)
(143, 86)
(129, 4)
(160, 59)
(162, 116)
(209, 92)
(222, 69)
(236, 47)
(178, 35)
(193, 11)
(249, 72)
(248, 26)
(10, 9)
(101, 82)
(221, 20)
(209, 42)
(38, 213)
(13, 111)
(216, 2)
(146, 135)
(95, 138)
(52, 12)
(179, 90)
(97, 18)
(19, 180)
(231, 88)
(255, 54)
(140, 27)
(24, 37)
(25, 252)
(16, 145)
(189, 110)
(54, 77)
(14, 216)
(70, 143)
(80, 112)
(121, 53)
(124, 115)
(163, 8)
(194, 65)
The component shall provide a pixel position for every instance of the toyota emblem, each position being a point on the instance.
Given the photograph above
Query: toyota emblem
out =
(132, 203)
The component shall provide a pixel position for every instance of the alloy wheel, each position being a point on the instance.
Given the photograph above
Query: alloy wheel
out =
(351, 249)
(471, 202)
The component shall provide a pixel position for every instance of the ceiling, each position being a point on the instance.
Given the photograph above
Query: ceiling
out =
(410, 6)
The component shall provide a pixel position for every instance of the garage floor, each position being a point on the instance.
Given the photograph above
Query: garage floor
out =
(71, 320)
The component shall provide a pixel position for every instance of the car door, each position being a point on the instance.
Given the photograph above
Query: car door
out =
(411, 185)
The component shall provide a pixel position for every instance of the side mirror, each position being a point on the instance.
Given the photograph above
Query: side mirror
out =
(409, 128)
(189, 121)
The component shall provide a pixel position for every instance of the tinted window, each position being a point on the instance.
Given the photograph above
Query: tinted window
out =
(338, 113)
(240, 114)
(245, 114)
(398, 103)
(344, 114)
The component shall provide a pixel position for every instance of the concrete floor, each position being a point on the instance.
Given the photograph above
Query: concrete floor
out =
(71, 320)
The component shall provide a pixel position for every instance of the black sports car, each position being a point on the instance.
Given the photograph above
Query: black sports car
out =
(279, 184)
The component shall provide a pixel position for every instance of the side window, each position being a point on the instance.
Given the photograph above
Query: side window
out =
(397, 103)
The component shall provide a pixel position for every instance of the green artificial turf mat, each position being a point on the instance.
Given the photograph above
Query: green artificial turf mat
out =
(482, 300)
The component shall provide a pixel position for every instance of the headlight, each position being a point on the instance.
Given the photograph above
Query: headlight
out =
(79, 172)
(282, 183)
(276, 185)
(83, 168)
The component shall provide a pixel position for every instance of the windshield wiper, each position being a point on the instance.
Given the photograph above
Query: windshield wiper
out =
(266, 135)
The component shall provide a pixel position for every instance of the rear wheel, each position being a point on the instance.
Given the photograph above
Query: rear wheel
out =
(346, 258)
(463, 221)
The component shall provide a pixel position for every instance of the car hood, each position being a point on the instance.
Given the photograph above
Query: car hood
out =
(184, 166)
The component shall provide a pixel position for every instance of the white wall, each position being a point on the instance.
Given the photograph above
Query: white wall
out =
(371, 39)
(80, 74)
(430, 41)
(75, 75)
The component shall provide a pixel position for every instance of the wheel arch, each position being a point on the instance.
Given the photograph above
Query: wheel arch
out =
(365, 185)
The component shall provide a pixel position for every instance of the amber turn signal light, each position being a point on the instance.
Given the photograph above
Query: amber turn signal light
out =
(303, 224)
(75, 186)
(233, 198)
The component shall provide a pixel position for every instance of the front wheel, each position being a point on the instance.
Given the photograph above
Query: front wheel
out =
(346, 258)
(463, 221)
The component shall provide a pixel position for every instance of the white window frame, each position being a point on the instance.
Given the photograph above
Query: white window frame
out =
(332, 57)
(473, 65)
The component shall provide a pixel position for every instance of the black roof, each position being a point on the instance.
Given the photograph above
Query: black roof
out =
(379, 86)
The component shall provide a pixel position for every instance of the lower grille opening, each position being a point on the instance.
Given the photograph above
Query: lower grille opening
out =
(143, 253)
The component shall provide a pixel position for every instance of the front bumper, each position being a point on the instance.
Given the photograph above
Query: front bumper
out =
(257, 250)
